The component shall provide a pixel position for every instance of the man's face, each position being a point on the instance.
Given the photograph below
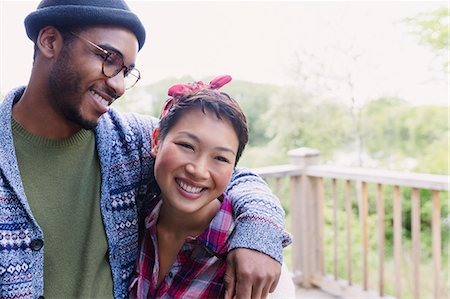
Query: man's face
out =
(78, 88)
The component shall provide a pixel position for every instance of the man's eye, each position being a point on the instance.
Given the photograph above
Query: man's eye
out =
(102, 55)
(112, 59)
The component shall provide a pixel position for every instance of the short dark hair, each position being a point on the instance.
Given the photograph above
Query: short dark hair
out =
(215, 101)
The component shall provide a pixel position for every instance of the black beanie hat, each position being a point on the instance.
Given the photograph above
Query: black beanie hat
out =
(83, 12)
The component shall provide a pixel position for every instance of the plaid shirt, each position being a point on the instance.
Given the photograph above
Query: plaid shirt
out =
(199, 268)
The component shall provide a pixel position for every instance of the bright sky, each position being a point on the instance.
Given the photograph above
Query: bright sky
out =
(259, 41)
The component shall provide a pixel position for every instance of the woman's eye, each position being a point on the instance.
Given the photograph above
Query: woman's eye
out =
(222, 159)
(185, 145)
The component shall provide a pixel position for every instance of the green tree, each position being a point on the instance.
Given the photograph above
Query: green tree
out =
(254, 100)
(396, 132)
(296, 120)
(432, 28)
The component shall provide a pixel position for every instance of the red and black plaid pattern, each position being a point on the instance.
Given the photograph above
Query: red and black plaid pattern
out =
(199, 268)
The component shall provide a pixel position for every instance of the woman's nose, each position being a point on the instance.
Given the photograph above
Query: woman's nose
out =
(198, 169)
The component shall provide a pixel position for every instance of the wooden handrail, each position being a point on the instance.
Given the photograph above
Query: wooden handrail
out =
(307, 185)
(369, 175)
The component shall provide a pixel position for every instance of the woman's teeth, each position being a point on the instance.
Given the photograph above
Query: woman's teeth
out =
(188, 188)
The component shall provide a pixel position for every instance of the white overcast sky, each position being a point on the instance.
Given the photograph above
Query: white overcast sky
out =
(258, 41)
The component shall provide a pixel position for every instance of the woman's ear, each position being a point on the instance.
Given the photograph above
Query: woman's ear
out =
(49, 41)
(155, 144)
(154, 151)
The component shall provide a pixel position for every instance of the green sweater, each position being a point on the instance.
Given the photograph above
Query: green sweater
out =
(75, 257)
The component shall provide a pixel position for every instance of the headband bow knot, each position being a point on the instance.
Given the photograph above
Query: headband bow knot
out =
(181, 90)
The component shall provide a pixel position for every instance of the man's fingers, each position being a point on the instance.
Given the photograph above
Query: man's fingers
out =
(257, 289)
(265, 292)
(230, 281)
(274, 284)
(261, 284)
(253, 274)
(243, 286)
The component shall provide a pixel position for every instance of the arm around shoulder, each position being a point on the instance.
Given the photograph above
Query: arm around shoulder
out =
(259, 215)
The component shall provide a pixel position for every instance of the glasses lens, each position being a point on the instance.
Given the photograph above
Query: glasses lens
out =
(131, 78)
(112, 65)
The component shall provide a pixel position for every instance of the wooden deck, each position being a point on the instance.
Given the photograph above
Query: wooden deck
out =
(338, 210)
(302, 293)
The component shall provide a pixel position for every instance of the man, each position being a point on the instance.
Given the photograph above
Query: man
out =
(74, 172)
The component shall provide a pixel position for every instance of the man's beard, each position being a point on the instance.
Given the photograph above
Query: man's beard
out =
(66, 91)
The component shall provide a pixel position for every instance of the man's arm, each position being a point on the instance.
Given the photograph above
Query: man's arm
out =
(254, 261)
(258, 214)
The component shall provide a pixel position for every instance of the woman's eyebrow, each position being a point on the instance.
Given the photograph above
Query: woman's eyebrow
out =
(196, 139)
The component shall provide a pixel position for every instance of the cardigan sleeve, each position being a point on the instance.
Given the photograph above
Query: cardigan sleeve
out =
(258, 214)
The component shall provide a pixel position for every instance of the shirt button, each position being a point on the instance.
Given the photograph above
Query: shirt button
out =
(170, 275)
(36, 244)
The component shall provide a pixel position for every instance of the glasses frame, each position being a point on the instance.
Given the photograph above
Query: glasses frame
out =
(128, 71)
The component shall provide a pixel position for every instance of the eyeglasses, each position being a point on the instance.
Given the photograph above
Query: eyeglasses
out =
(113, 64)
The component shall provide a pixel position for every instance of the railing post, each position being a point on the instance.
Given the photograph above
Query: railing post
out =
(304, 218)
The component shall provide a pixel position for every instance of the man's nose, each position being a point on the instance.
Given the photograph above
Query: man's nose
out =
(117, 83)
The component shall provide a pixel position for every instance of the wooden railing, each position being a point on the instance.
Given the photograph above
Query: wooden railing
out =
(308, 201)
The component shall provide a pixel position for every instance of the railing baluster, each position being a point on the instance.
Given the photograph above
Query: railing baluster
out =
(320, 223)
(308, 207)
(436, 231)
(380, 212)
(278, 187)
(397, 241)
(296, 230)
(348, 208)
(335, 230)
(365, 238)
(415, 219)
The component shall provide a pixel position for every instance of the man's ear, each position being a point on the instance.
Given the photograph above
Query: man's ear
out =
(49, 41)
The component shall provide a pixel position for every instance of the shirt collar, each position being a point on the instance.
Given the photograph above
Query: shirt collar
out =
(215, 237)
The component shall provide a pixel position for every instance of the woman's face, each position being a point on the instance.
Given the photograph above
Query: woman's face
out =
(195, 160)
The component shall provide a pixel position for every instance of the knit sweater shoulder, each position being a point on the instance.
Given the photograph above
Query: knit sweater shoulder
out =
(123, 142)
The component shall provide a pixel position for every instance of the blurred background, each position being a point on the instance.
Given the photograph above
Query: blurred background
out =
(364, 82)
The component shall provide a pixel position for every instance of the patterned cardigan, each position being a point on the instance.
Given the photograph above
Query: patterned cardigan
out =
(123, 145)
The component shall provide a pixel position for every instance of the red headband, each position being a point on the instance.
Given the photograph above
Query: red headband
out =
(181, 90)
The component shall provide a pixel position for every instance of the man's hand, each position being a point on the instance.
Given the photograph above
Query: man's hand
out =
(250, 274)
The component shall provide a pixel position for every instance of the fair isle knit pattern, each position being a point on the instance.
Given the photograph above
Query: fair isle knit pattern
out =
(123, 145)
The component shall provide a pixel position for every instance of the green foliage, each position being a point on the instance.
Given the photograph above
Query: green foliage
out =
(254, 100)
(300, 120)
(396, 135)
(432, 29)
(394, 131)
